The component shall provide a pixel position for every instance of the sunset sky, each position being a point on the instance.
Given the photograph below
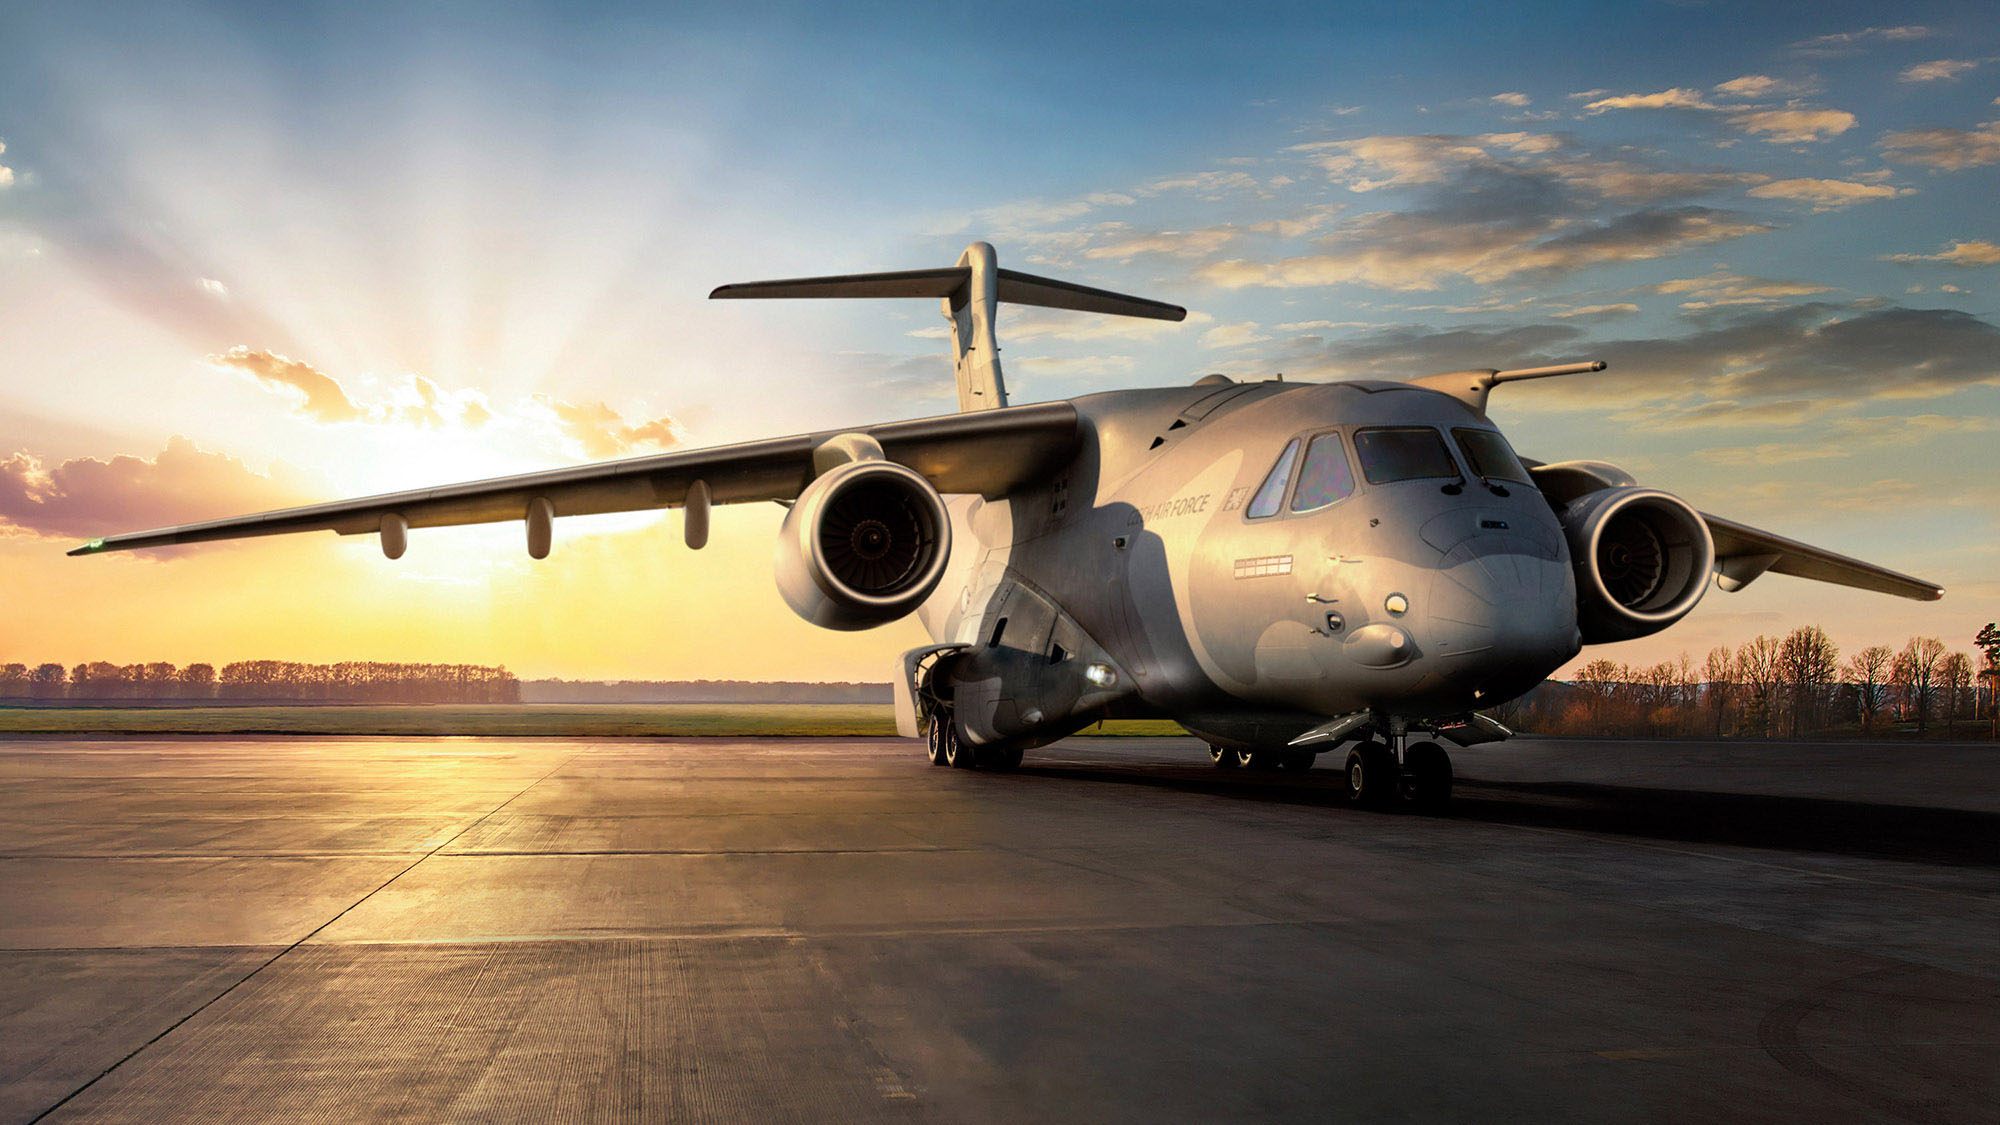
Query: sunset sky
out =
(255, 255)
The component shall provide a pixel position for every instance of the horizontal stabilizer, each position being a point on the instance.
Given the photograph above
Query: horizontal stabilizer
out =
(1014, 288)
(971, 293)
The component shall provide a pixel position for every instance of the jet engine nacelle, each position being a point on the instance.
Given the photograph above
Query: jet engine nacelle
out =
(1642, 561)
(864, 545)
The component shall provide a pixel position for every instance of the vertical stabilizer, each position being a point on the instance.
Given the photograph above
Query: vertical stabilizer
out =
(975, 352)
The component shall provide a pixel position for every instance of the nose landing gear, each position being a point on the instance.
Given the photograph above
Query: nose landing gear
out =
(1421, 780)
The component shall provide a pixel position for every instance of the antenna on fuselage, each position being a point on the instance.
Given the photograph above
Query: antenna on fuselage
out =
(1472, 387)
(972, 292)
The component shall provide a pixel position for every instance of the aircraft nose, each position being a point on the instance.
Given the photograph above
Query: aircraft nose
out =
(1503, 605)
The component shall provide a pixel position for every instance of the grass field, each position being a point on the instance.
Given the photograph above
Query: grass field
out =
(524, 720)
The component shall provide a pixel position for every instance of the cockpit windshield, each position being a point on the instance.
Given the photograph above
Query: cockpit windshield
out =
(1394, 453)
(1271, 494)
(1326, 477)
(1490, 456)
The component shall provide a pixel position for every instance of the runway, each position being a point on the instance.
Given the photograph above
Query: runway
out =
(821, 930)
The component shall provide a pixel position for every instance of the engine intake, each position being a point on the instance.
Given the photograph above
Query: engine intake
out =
(1642, 561)
(865, 544)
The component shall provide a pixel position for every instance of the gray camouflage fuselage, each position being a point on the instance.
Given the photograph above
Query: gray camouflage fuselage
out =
(1142, 554)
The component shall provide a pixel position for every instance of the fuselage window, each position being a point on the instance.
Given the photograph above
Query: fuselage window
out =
(1271, 495)
(1490, 456)
(1394, 453)
(1326, 477)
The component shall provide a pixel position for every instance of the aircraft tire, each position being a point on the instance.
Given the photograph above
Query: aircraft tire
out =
(1371, 775)
(1426, 776)
(957, 754)
(1223, 758)
(1298, 761)
(1255, 760)
(934, 740)
(993, 757)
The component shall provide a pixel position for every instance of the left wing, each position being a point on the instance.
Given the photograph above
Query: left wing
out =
(1743, 552)
(990, 453)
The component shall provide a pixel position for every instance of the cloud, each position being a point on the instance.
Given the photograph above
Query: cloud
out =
(1511, 98)
(1233, 335)
(585, 429)
(86, 497)
(1423, 250)
(213, 287)
(1761, 365)
(1720, 289)
(1948, 150)
(1794, 126)
(1597, 312)
(1372, 163)
(1826, 195)
(598, 431)
(320, 397)
(6, 173)
(1975, 252)
(1752, 86)
(1171, 243)
(1938, 70)
(1848, 42)
(1679, 97)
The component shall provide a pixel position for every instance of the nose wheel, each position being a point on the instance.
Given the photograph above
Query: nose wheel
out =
(1372, 775)
(1421, 781)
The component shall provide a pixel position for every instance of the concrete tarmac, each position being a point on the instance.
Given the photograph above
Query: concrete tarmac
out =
(834, 930)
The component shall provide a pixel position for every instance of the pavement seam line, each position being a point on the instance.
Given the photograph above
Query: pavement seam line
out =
(245, 978)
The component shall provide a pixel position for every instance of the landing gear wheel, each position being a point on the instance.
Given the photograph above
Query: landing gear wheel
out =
(1426, 776)
(1224, 759)
(1255, 760)
(998, 759)
(934, 741)
(1298, 761)
(1371, 775)
(957, 754)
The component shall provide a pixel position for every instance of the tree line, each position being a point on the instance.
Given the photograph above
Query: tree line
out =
(1771, 687)
(276, 681)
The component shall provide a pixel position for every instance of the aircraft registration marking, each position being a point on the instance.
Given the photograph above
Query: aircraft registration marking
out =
(1263, 566)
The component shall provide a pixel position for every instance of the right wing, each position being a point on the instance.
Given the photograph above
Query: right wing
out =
(990, 453)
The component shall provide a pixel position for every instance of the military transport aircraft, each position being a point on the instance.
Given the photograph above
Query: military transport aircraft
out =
(1284, 568)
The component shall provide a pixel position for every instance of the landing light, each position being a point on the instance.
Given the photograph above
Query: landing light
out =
(1101, 675)
(1397, 605)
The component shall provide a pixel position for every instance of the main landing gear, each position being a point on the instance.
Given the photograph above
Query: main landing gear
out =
(945, 748)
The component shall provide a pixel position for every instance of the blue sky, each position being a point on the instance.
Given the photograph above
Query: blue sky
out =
(335, 249)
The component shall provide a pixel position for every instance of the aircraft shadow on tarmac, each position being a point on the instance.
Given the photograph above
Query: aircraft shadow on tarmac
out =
(1801, 824)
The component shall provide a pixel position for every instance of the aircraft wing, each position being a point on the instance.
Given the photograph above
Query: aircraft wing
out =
(1743, 552)
(990, 452)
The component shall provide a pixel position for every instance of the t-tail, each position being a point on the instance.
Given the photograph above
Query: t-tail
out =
(972, 292)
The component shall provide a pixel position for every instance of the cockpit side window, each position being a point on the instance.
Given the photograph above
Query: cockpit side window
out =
(1393, 453)
(1271, 494)
(1326, 477)
(1490, 456)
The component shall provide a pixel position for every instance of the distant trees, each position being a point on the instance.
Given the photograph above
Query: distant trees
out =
(1867, 673)
(1791, 685)
(276, 681)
